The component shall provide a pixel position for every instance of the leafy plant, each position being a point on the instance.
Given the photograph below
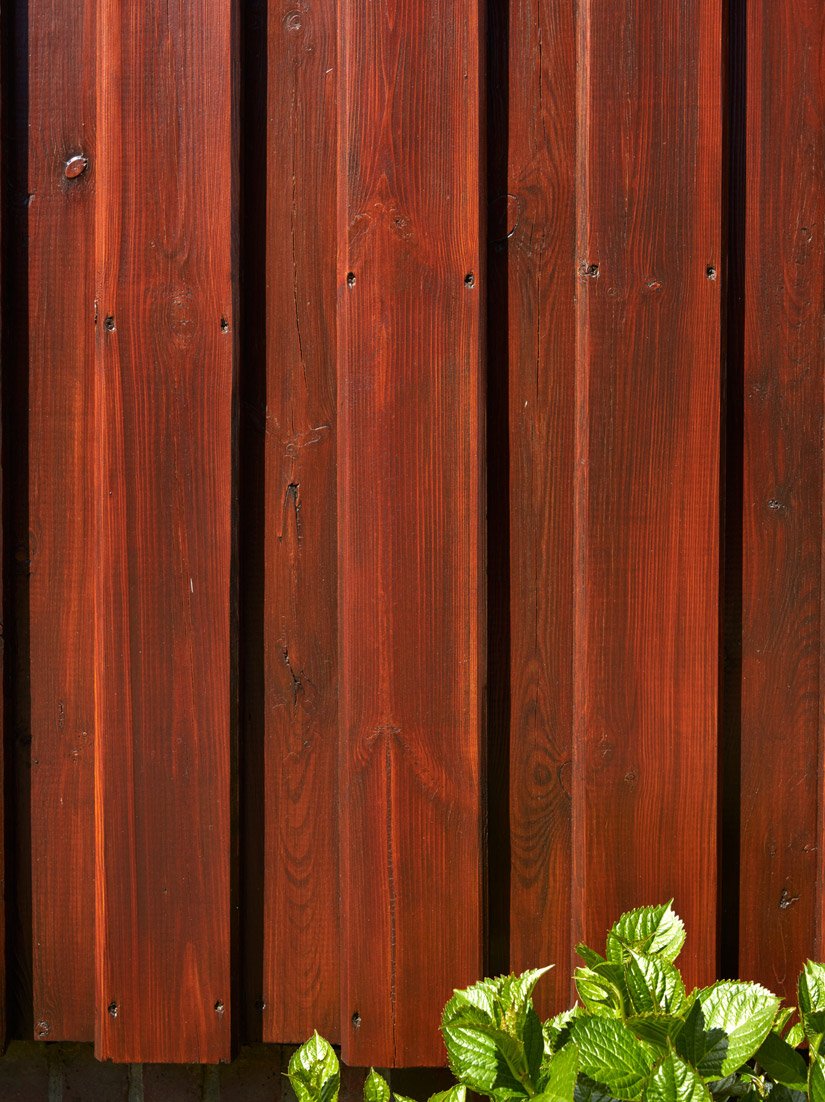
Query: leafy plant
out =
(636, 1034)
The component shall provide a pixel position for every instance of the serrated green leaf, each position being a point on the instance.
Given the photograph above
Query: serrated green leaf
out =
(783, 1016)
(559, 1077)
(675, 1081)
(599, 989)
(590, 957)
(795, 1035)
(376, 1088)
(556, 1031)
(811, 987)
(781, 1093)
(656, 1029)
(654, 985)
(651, 931)
(475, 1060)
(726, 1025)
(703, 1048)
(610, 1054)
(493, 1036)
(813, 1025)
(458, 1093)
(816, 1080)
(723, 1088)
(589, 1091)
(401, 1097)
(314, 1072)
(782, 1062)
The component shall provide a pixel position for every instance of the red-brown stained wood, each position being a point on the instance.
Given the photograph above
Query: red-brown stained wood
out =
(301, 951)
(535, 231)
(781, 843)
(411, 286)
(163, 662)
(60, 502)
(648, 367)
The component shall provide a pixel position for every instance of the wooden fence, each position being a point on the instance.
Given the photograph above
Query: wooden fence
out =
(413, 505)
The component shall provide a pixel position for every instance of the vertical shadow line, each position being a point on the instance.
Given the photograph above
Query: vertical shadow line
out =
(251, 512)
(498, 491)
(14, 341)
(732, 473)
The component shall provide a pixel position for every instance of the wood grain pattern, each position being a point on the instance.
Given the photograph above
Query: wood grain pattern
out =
(781, 842)
(648, 366)
(301, 963)
(163, 661)
(535, 227)
(411, 284)
(61, 373)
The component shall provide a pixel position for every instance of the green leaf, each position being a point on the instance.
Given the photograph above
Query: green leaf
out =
(725, 1026)
(783, 1016)
(494, 1037)
(376, 1088)
(559, 1077)
(589, 1091)
(651, 931)
(781, 1093)
(557, 1030)
(675, 1081)
(458, 1093)
(816, 1079)
(654, 985)
(314, 1072)
(811, 987)
(601, 988)
(782, 1062)
(401, 1097)
(590, 957)
(657, 1029)
(813, 1025)
(612, 1055)
(795, 1035)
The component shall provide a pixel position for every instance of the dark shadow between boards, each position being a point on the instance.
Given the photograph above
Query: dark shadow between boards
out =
(498, 492)
(14, 343)
(251, 510)
(732, 452)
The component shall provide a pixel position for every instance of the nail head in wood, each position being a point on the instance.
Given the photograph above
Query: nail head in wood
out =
(75, 166)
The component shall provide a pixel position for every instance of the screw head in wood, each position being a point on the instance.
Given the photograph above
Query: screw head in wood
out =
(75, 166)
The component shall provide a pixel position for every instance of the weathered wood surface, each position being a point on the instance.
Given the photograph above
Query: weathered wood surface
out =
(164, 404)
(647, 459)
(781, 841)
(61, 188)
(411, 289)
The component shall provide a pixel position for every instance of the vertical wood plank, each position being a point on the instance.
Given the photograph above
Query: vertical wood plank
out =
(301, 952)
(163, 659)
(61, 190)
(532, 322)
(781, 847)
(411, 283)
(647, 498)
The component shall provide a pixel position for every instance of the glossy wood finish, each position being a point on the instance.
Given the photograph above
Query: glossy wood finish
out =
(61, 439)
(411, 288)
(532, 321)
(647, 449)
(362, 348)
(781, 817)
(164, 401)
(301, 950)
